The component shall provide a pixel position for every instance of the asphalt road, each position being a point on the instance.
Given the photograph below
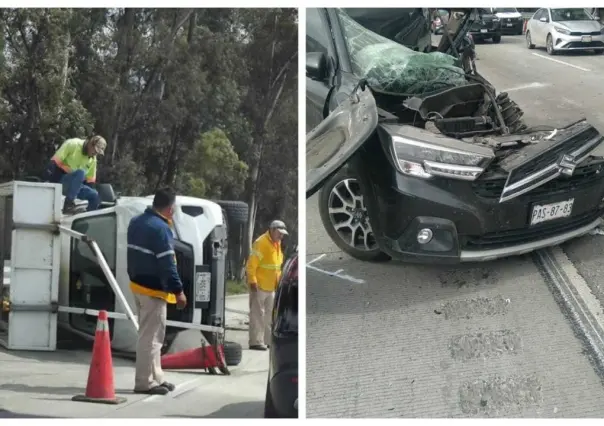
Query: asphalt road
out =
(487, 340)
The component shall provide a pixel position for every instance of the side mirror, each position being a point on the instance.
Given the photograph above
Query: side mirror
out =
(544, 19)
(316, 65)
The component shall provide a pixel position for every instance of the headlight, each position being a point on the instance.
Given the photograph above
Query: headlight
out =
(562, 30)
(423, 154)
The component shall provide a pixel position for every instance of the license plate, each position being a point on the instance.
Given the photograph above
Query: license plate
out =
(586, 39)
(484, 30)
(202, 286)
(510, 25)
(545, 212)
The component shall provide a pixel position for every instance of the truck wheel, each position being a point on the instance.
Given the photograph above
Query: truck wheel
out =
(233, 353)
(237, 211)
(497, 39)
(344, 217)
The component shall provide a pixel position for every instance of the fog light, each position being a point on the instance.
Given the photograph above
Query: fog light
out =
(424, 236)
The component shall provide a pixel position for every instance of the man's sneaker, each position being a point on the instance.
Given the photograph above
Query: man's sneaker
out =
(168, 386)
(258, 347)
(69, 207)
(156, 390)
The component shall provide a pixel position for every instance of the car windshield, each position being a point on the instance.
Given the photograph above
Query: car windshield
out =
(506, 10)
(570, 15)
(388, 65)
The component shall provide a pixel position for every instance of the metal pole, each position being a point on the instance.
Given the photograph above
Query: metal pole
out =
(106, 270)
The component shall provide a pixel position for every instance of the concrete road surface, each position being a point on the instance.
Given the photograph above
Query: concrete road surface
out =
(40, 385)
(483, 340)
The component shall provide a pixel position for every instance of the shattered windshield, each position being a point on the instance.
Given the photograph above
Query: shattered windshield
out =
(391, 67)
(570, 15)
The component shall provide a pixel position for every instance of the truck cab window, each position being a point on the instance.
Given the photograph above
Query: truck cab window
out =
(88, 287)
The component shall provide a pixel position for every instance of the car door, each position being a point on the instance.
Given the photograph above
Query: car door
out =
(318, 40)
(541, 31)
(331, 144)
(533, 26)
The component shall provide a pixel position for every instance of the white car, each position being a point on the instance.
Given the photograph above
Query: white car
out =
(561, 30)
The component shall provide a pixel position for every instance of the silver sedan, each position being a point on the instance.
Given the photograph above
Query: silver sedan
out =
(561, 30)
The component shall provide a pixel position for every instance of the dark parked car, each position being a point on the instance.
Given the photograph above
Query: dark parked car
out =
(282, 387)
(418, 158)
(486, 25)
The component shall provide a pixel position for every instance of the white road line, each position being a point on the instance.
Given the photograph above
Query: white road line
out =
(535, 85)
(561, 62)
(315, 259)
(337, 275)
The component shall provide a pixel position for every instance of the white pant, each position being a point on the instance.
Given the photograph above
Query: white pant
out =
(261, 310)
(152, 315)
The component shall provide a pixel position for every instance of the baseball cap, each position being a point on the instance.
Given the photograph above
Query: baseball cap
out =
(99, 143)
(280, 226)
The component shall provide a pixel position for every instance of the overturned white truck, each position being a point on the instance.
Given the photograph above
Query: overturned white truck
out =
(56, 279)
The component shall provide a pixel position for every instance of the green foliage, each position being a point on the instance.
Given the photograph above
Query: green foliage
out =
(151, 81)
(214, 170)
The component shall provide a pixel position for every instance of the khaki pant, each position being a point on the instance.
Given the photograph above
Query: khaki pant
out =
(261, 309)
(152, 315)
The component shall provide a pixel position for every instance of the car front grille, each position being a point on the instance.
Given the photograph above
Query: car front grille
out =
(583, 177)
(589, 44)
(593, 33)
(493, 240)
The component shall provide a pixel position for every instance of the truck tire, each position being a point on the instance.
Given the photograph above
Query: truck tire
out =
(233, 353)
(236, 211)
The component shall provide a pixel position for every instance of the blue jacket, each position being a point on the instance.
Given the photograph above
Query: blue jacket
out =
(151, 258)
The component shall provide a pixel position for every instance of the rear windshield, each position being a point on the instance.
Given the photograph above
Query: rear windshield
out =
(570, 15)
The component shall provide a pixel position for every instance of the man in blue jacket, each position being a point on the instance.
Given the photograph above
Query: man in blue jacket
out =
(155, 282)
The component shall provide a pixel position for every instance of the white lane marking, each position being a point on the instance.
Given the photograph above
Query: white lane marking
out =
(337, 274)
(535, 85)
(178, 389)
(561, 62)
(315, 259)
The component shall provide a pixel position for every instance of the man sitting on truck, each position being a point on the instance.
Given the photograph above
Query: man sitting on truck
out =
(74, 166)
(155, 282)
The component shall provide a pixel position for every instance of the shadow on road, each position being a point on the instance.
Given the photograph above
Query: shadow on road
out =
(239, 410)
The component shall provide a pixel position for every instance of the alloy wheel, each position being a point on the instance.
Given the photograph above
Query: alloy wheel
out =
(528, 40)
(550, 45)
(349, 217)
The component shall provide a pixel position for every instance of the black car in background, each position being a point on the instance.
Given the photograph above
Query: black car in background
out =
(417, 157)
(486, 25)
(282, 387)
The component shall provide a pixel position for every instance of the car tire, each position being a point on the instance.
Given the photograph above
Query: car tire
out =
(529, 40)
(233, 353)
(497, 39)
(370, 254)
(549, 45)
(236, 211)
(270, 412)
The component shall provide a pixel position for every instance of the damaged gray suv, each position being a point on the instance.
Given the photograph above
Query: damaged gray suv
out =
(417, 157)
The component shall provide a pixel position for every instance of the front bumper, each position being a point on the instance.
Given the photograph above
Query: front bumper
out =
(563, 42)
(468, 222)
(512, 26)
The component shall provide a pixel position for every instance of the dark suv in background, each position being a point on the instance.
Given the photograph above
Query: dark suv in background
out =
(486, 25)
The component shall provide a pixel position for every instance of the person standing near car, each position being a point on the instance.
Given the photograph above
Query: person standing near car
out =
(263, 273)
(155, 282)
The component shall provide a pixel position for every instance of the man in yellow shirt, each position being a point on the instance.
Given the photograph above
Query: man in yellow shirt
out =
(263, 273)
(74, 165)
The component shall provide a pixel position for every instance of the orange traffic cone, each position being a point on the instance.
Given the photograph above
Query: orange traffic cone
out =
(193, 359)
(100, 386)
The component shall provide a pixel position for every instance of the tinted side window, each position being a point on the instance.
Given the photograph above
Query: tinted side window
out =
(318, 38)
(539, 14)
